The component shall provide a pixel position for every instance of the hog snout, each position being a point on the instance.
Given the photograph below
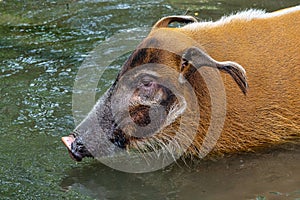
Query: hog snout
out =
(75, 147)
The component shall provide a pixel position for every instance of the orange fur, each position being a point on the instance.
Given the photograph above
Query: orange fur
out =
(268, 47)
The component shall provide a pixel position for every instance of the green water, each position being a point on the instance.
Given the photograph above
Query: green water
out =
(42, 45)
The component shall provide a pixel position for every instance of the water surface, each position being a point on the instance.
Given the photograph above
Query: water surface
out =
(42, 45)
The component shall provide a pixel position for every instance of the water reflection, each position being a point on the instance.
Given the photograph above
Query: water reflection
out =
(237, 177)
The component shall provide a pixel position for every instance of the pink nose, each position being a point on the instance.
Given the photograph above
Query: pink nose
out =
(68, 140)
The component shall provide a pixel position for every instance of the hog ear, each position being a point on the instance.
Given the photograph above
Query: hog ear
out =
(165, 21)
(197, 58)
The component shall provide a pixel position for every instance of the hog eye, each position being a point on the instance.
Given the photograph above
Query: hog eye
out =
(146, 82)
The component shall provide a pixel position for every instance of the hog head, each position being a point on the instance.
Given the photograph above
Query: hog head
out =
(142, 110)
